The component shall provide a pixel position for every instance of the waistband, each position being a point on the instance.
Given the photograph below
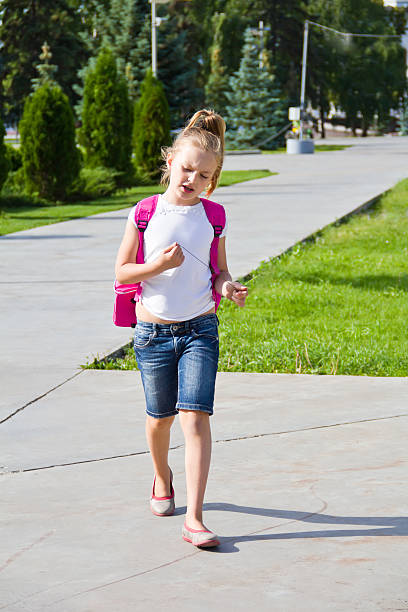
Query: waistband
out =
(180, 327)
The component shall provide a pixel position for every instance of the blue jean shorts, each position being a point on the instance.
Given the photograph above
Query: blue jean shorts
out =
(178, 363)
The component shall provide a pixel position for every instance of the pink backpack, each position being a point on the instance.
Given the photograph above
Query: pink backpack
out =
(126, 296)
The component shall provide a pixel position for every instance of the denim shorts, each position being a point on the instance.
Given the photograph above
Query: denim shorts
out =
(178, 363)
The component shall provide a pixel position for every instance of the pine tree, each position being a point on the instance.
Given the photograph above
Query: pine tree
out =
(151, 127)
(106, 121)
(5, 164)
(256, 109)
(24, 26)
(217, 85)
(178, 72)
(50, 156)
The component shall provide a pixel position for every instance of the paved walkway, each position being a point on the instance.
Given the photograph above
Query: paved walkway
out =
(307, 487)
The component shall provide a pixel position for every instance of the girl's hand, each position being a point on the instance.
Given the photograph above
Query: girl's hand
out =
(235, 292)
(171, 257)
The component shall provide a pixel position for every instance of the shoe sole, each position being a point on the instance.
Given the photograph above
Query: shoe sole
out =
(206, 544)
(163, 513)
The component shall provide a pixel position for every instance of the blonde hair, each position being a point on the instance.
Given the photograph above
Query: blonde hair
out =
(206, 131)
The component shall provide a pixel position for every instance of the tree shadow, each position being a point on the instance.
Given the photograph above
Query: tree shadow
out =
(375, 525)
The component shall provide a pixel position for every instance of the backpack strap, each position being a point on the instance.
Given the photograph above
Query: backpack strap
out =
(144, 211)
(216, 216)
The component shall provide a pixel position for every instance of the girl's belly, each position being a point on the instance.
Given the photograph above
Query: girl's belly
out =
(143, 314)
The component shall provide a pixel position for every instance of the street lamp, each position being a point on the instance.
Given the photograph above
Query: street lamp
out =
(155, 23)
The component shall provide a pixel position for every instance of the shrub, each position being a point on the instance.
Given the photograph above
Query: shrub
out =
(50, 156)
(94, 183)
(15, 156)
(14, 183)
(4, 159)
(151, 127)
(106, 117)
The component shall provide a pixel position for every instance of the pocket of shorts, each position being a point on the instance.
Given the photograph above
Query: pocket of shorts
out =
(142, 339)
(204, 334)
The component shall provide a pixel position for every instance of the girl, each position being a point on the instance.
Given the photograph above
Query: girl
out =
(176, 336)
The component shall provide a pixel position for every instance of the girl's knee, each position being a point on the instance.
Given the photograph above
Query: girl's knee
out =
(194, 422)
(154, 423)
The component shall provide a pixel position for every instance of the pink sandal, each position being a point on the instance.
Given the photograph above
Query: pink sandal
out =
(163, 506)
(199, 537)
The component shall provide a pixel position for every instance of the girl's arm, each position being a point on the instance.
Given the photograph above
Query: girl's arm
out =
(128, 272)
(232, 290)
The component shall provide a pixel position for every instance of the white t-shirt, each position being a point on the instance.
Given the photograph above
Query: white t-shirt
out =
(184, 292)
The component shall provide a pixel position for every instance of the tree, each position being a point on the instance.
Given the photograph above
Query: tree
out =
(123, 27)
(365, 77)
(24, 26)
(178, 73)
(256, 109)
(5, 163)
(225, 55)
(50, 156)
(151, 127)
(106, 120)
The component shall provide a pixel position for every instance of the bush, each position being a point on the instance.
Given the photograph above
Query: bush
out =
(106, 117)
(15, 156)
(151, 127)
(94, 183)
(4, 159)
(15, 183)
(50, 156)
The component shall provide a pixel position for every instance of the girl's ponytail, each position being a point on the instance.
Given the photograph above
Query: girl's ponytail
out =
(211, 122)
(206, 130)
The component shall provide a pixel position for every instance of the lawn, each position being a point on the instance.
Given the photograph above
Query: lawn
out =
(17, 213)
(335, 305)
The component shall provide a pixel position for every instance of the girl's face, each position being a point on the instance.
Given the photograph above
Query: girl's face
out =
(191, 170)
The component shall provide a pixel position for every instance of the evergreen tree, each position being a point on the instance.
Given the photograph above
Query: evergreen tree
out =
(106, 120)
(217, 85)
(224, 57)
(24, 26)
(177, 72)
(50, 156)
(151, 127)
(5, 163)
(256, 109)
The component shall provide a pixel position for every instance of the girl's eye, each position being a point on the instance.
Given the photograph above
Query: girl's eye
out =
(204, 177)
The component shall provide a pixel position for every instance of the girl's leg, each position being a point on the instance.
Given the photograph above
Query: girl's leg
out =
(158, 438)
(197, 434)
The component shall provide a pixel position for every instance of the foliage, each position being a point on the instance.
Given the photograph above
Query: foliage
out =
(24, 26)
(222, 62)
(5, 163)
(15, 156)
(256, 110)
(106, 122)
(94, 183)
(50, 156)
(151, 127)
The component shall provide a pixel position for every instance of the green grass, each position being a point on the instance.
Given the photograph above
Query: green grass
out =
(21, 213)
(334, 305)
(318, 149)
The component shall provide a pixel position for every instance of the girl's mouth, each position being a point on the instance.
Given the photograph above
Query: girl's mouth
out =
(187, 189)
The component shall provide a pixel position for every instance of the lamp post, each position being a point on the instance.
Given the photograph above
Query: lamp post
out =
(155, 23)
(303, 81)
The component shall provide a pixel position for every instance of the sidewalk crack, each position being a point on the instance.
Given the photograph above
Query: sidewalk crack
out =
(33, 401)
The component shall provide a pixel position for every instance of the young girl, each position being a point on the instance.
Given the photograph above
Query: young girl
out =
(176, 336)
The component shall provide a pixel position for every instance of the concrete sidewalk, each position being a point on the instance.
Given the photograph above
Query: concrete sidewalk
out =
(308, 481)
(307, 491)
